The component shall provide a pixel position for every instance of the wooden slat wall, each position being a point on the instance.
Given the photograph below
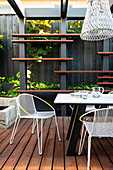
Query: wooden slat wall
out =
(85, 58)
(8, 25)
(84, 54)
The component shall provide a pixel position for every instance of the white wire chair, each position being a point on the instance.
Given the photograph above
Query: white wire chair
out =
(27, 108)
(98, 123)
(111, 106)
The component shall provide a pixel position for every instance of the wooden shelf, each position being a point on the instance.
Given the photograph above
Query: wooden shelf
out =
(107, 91)
(50, 91)
(45, 91)
(45, 59)
(45, 35)
(42, 41)
(96, 71)
(104, 83)
(105, 53)
(105, 77)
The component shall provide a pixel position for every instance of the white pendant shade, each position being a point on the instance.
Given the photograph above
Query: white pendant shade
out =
(98, 22)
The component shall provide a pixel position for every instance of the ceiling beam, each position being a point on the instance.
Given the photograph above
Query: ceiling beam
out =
(18, 7)
(76, 13)
(64, 6)
(42, 13)
(54, 13)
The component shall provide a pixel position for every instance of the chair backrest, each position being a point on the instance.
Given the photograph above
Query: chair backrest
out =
(101, 124)
(103, 115)
(25, 104)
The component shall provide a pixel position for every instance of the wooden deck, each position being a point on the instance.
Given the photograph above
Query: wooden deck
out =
(23, 153)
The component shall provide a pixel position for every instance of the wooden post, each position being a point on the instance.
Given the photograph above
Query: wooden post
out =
(63, 63)
(106, 59)
(23, 70)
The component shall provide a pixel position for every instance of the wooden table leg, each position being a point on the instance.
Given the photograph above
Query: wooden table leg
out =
(74, 135)
(71, 122)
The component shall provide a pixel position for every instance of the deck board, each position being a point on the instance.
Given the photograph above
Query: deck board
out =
(59, 163)
(5, 143)
(102, 156)
(70, 163)
(49, 148)
(94, 163)
(23, 153)
(24, 159)
(36, 158)
(11, 148)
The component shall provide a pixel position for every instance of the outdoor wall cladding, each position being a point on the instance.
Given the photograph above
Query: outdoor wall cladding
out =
(84, 54)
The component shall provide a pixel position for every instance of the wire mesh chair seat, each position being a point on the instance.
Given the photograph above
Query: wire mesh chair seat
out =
(101, 129)
(30, 106)
(97, 123)
(39, 115)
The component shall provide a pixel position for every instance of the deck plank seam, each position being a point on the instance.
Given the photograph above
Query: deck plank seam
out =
(15, 146)
(45, 144)
(34, 147)
(54, 148)
(98, 157)
(10, 134)
(109, 142)
(105, 151)
(63, 142)
(25, 147)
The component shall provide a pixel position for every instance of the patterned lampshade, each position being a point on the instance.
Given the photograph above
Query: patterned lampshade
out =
(98, 22)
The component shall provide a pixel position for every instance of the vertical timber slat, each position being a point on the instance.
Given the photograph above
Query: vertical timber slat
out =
(63, 64)
(22, 55)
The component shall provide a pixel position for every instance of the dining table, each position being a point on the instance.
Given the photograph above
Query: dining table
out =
(79, 103)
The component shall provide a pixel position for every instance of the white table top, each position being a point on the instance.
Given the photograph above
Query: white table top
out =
(68, 99)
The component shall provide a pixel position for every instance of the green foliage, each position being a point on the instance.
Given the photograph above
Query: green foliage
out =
(75, 27)
(82, 86)
(1, 43)
(44, 85)
(37, 86)
(16, 85)
(3, 94)
(7, 80)
(37, 50)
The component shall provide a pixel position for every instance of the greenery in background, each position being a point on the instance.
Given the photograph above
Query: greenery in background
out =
(39, 50)
(7, 80)
(44, 85)
(82, 86)
(1, 42)
(37, 86)
(75, 27)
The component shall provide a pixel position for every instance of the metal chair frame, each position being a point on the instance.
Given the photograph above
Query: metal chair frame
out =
(91, 131)
(35, 116)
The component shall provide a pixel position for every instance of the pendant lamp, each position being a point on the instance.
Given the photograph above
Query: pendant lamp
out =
(98, 22)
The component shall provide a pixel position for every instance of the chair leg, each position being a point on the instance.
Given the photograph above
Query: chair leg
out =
(33, 126)
(41, 133)
(14, 129)
(38, 137)
(82, 140)
(57, 128)
(89, 150)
